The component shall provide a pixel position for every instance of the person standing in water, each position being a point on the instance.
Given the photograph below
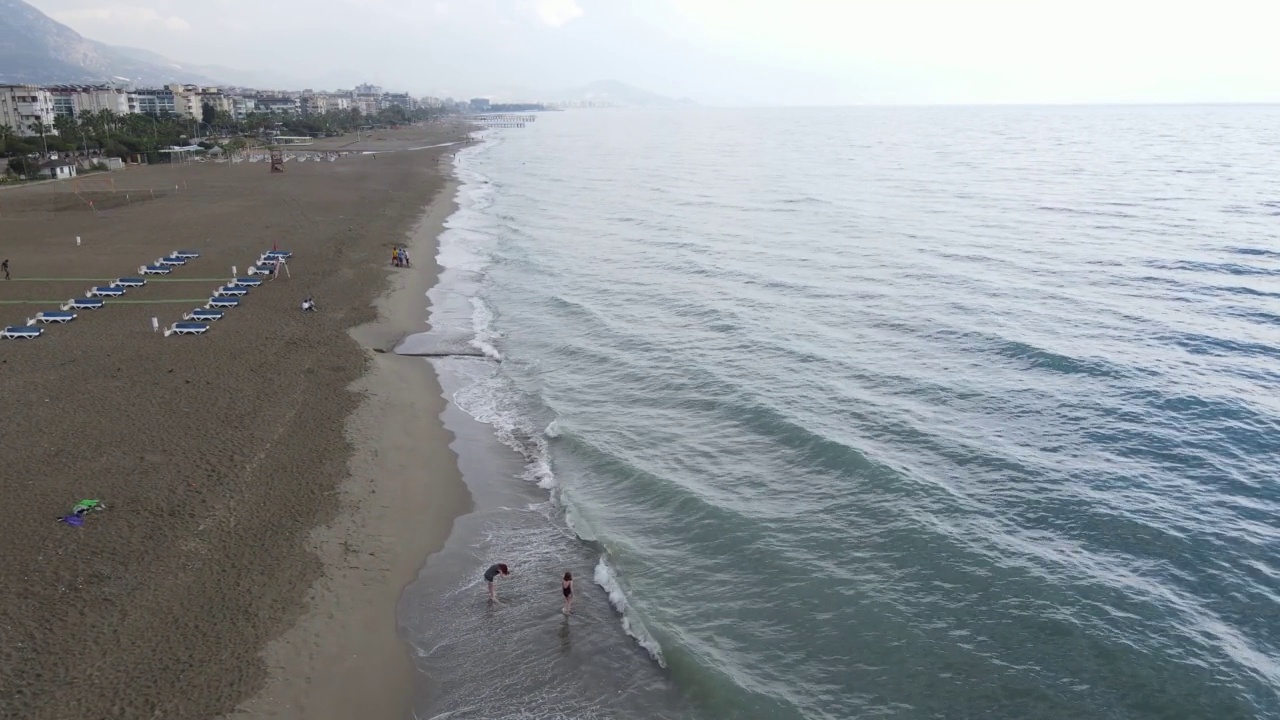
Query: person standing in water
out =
(492, 573)
(566, 587)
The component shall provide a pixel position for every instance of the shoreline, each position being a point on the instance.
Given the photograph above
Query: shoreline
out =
(393, 517)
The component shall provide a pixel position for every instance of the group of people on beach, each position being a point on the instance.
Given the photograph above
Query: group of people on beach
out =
(400, 257)
(502, 570)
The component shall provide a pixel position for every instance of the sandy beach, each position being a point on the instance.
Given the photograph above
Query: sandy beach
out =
(270, 486)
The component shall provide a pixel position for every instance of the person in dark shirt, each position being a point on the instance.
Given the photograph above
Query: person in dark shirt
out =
(5, 266)
(491, 574)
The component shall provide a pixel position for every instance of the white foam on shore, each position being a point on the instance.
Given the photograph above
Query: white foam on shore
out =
(604, 577)
(491, 396)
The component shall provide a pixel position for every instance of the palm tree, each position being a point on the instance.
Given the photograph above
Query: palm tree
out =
(39, 128)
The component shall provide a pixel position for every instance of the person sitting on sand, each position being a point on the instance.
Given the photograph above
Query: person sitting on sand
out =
(491, 574)
(308, 305)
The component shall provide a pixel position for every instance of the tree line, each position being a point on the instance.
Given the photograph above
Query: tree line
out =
(110, 134)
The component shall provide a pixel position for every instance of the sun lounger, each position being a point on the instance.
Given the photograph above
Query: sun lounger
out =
(246, 282)
(154, 270)
(170, 262)
(129, 282)
(104, 291)
(82, 304)
(185, 254)
(187, 328)
(222, 302)
(17, 332)
(203, 315)
(231, 290)
(51, 316)
(262, 269)
(278, 253)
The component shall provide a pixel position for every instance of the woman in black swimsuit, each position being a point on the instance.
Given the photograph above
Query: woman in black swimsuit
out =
(566, 586)
(493, 572)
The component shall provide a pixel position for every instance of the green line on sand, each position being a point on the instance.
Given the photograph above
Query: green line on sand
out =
(149, 280)
(108, 302)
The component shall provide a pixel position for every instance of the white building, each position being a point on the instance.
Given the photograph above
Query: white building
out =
(75, 100)
(276, 104)
(22, 105)
(58, 169)
(153, 101)
(367, 98)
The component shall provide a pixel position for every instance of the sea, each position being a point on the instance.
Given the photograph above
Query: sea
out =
(935, 412)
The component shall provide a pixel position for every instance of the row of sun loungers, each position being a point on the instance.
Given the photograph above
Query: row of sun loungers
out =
(93, 299)
(195, 322)
(228, 296)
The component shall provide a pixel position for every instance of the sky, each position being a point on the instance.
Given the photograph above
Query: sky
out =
(726, 52)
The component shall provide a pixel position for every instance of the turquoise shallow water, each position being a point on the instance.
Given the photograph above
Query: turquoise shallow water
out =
(909, 413)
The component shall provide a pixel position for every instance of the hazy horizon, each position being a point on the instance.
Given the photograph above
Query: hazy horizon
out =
(725, 52)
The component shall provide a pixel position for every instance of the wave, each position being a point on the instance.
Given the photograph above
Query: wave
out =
(604, 577)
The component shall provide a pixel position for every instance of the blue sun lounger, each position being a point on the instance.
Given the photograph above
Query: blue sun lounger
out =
(203, 315)
(277, 254)
(170, 261)
(129, 282)
(51, 316)
(223, 302)
(247, 282)
(105, 291)
(154, 270)
(184, 254)
(262, 269)
(187, 328)
(17, 332)
(82, 304)
(231, 290)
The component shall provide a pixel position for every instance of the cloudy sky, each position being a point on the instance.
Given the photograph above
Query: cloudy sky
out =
(728, 51)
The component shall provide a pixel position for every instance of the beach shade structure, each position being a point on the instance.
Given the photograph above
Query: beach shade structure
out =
(170, 262)
(82, 304)
(203, 315)
(230, 291)
(154, 270)
(184, 254)
(246, 282)
(277, 254)
(104, 291)
(129, 282)
(186, 328)
(222, 302)
(18, 332)
(262, 269)
(51, 316)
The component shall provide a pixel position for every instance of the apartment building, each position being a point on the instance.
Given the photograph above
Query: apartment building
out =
(153, 101)
(74, 100)
(23, 105)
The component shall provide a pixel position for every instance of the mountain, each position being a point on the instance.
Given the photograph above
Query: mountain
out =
(36, 49)
(616, 93)
(225, 75)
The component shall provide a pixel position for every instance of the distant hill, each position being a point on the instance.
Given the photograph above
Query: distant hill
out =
(34, 48)
(616, 93)
(224, 75)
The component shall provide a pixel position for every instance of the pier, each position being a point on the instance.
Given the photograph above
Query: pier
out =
(504, 120)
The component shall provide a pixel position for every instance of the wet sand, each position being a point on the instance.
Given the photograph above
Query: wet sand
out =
(271, 486)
